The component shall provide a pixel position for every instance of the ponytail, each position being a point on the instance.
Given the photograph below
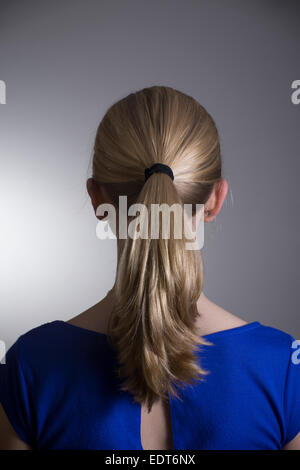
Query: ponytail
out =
(152, 326)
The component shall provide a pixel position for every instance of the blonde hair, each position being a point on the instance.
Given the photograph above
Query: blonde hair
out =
(158, 282)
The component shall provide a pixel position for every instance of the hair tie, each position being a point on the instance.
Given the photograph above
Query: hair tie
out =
(158, 168)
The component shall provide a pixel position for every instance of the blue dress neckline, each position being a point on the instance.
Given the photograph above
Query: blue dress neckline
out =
(222, 333)
(237, 329)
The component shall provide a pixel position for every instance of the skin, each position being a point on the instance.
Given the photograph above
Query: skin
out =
(212, 318)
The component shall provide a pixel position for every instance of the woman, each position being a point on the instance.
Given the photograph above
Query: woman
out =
(155, 364)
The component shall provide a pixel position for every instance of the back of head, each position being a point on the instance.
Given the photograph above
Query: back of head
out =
(158, 282)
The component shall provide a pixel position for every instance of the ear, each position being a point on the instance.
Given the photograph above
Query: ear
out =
(216, 199)
(97, 194)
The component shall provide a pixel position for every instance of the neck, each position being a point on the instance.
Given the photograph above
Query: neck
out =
(204, 305)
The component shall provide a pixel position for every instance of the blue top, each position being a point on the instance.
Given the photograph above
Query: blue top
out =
(59, 391)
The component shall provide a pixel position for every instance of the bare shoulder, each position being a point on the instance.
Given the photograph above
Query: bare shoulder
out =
(213, 318)
(94, 318)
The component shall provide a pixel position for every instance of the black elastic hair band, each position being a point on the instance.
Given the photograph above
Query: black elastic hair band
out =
(158, 168)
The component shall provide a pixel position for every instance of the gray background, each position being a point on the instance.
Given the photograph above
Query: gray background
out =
(64, 63)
